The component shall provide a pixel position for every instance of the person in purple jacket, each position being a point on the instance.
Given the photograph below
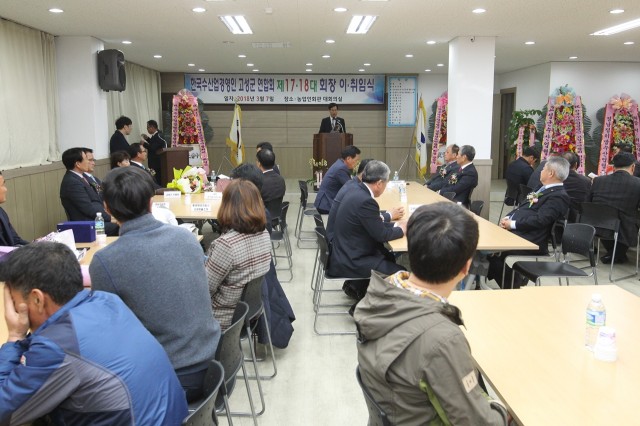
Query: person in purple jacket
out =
(87, 360)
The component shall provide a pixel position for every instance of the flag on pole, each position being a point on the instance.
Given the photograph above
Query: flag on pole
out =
(420, 138)
(234, 141)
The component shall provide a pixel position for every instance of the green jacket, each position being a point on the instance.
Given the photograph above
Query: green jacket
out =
(417, 362)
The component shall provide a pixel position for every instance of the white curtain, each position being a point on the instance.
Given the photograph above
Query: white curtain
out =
(28, 97)
(140, 101)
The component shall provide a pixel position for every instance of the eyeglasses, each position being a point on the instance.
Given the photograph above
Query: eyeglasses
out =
(143, 151)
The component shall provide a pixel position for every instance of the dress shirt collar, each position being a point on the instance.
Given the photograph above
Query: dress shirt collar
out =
(266, 171)
(139, 164)
(81, 175)
(370, 191)
(468, 164)
(551, 185)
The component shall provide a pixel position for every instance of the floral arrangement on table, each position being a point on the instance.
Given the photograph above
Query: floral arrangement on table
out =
(533, 198)
(190, 180)
(318, 168)
(439, 128)
(522, 124)
(621, 126)
(563, 125)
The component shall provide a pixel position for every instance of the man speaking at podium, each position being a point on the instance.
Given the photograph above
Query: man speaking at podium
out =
(333, 123)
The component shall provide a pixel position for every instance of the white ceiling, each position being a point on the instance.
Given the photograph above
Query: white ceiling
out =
(560, 29)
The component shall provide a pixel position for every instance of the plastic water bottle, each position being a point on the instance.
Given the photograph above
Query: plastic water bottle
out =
(101, 236)
(396, 177)
(596, 318)
(212, 178)
(403, 192)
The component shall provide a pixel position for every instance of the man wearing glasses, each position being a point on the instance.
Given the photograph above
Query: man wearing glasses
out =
(139, 155)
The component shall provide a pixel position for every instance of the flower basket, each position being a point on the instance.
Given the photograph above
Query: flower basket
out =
(621, 126)
(190, 180)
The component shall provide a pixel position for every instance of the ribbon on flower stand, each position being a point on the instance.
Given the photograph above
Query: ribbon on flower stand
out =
(519, 142)
(437, 131)
(186, 123)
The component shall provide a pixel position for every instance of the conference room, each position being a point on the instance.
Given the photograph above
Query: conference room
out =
(489, 62)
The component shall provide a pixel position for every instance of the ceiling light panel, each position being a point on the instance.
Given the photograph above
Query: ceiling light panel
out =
(360, 24)
(625, 26)
(236, 24)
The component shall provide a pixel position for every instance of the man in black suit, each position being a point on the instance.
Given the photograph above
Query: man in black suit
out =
(154, 143)
(464, 180)
(273, 185)
(118, 140)
(95, 183)
(576, 185)
(621, 190)
(333, 123)
(444, 172)
(138, 154)
(8, 235)
(267, 145)
(534, 219)
(79, 199)
(359, 233)
(520, 170)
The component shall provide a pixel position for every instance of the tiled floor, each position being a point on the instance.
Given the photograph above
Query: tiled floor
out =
(316, 382)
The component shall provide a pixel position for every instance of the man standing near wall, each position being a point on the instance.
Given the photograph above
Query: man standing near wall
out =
(118, 141)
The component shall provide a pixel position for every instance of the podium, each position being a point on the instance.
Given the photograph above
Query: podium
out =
(173, 158)
(329, 146)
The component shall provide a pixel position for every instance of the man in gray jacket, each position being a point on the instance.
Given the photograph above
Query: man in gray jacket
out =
(412, 354)
(158, 271)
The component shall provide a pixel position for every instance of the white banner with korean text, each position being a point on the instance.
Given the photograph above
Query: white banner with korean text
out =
(286, 88)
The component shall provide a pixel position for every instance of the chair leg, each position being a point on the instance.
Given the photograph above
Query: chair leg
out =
(253, 409)
(313, 274)
(227, 409)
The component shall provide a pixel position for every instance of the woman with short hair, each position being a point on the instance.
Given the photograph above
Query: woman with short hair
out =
(241, 253)
(120, 159)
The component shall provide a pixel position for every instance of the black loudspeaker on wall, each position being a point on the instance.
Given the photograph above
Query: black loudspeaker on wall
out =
(111, 74)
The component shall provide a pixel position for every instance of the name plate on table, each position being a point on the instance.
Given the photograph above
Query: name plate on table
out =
(214, 196)
(172, 194)
(161, 205)
(396, 183)
(200, 207)
(413, 208)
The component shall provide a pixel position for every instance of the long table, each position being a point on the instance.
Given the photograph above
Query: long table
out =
(182, 207)
(529, 344)
(492, 237)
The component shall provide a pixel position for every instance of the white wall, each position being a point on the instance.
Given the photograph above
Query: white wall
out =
(82, 118)
(597, 82)
(532, 85)
(431, 86)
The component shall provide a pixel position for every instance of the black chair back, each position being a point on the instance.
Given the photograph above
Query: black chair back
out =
(603, 217)
(304, 193)
(512, 192)
(523, 191)
(318, 219)
(323, 247)
(229, 352)
(448, 195)
(274, 207)
(377, 416)
(252, 296)
(476, 207)
(205, 414)
(283, 215)
(578, 238)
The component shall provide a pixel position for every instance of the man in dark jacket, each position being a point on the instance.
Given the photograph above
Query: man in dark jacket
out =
(359, 233)
(8, 235)
(465, 179)
(155, 143)
(520, 170)
(621, 190)
(451, 166)
(576, 185)
(534, 219)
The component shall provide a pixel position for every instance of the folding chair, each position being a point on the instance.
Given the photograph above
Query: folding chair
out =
(281, 234)
(204, 411)
(476, 207)
(523, 191)
(606, 220)
(448, 195)
(303, 211)
(577, 238)
(510, 197)
(321, 277)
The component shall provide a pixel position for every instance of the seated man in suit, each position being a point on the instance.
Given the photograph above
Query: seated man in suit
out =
(444, 172)
(464, 180)
(412, 354)
(273, 185)
(87, 359)
(621, 190)
(333, 123)
(95, 183)
(267, 145)
(576, 185)
(519, 171)
(338, 174)
(153, 144)
(534, 219)
(387, 216)
(8, 235)
(139, 154)
(79, 199)
(359, 233)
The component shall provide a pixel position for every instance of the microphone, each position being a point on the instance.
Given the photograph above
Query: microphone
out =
(340, 123)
